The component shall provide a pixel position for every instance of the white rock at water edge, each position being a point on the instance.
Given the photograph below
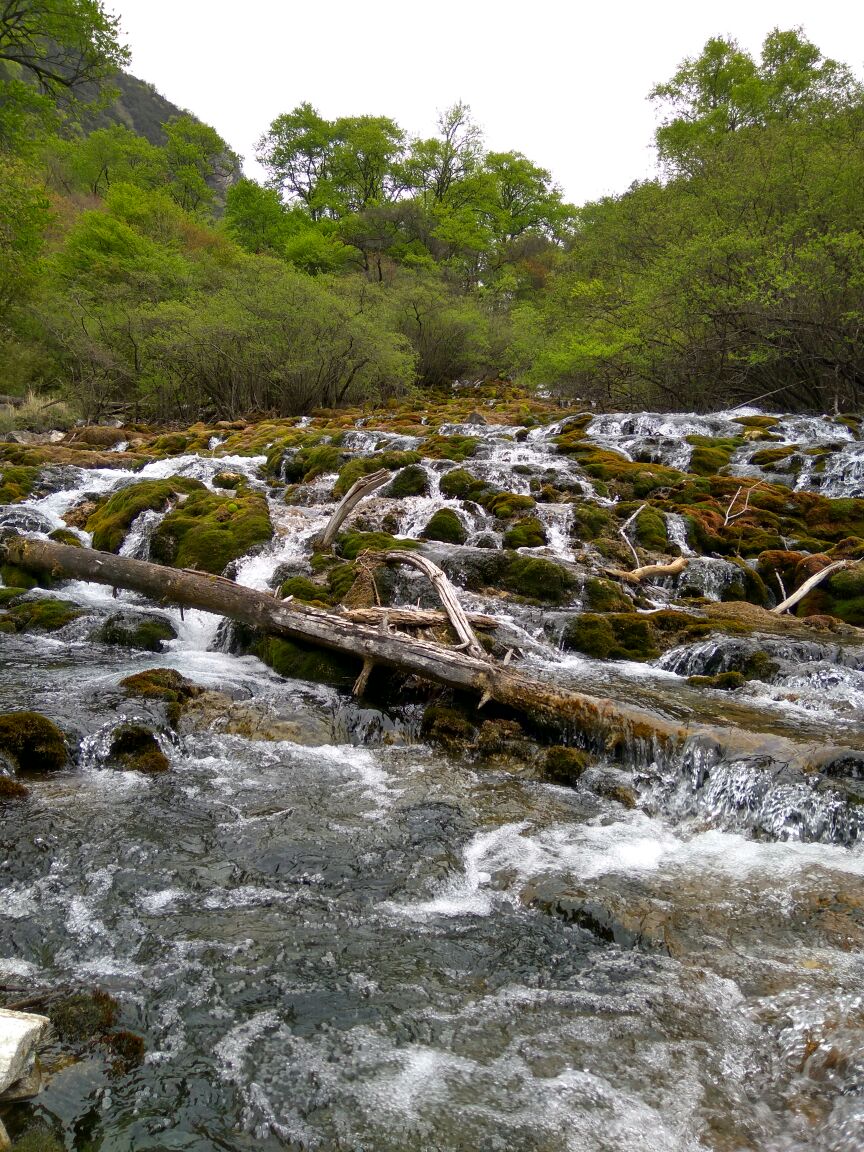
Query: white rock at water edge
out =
(20, 1032)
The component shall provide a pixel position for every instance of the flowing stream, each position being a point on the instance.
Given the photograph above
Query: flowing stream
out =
(349, 940)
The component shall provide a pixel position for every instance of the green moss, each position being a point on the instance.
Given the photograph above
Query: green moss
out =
(725, 681)
(351, 544)
(134, 748)
(302, 588)
(15, 577)
(299, 661)
(616, 636)
(605, 596)
(565, 765)
(84, 1017)
(32, 741)
(411, 481)
(506, 505)
(170, 444)
(590, 521)
(762, 423)
(526, 533)
(65, 536)
(38, 1138)
(148, 634)
(160, 684)
(46, 615)
(364, 465)
(113, 517)
(229, 480)
(650, 530)
(207, 533)
(10, 595)
(460, 484)
(767, 456)
(711, 453)
(447, 726)
(445, 525)
(16, 482)
(457, 448)
(309, 462)
(340, 581)
(537, 579)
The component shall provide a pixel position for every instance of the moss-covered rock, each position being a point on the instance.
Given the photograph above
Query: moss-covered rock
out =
(15, 577)
(351, 472)
(537, 579)
(16, 482)
(445, 525)
(302, 588)
(231, 480)
(340, 581)
(84, 1017)
(841, 596)
(565, 765)
(526, 533)
(506, 505)
(207, 532)
(590, 521)
(410, 481)
(456, 448)
(32, 742)
(65, 536)
(460, 484)
(650, 530)
(615, 636)
(711, 454)
(605, 596)
(148, 633)
(12, 789)
(160, 684)
(38, 1138)
(298, 661)
(725, 681)
(351, 544)
(310, 461)
(134, 748)
(44, 615)
(447, 726)
(113, 517)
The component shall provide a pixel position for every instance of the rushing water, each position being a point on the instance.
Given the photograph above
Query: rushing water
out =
(349, 940)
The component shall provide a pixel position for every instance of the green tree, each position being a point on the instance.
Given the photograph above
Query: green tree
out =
(199, 162)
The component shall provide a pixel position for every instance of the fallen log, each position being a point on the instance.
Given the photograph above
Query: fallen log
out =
(447, 595)
(605, 724)
(674, 568)
(417, 617)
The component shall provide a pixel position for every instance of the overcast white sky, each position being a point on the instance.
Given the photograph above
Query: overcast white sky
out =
(563, 82)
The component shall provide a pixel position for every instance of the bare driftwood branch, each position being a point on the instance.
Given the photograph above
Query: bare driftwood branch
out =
(622, 532)
(809, 585)
(358, 490)
(730, 515)
(447, 595)
(674, 568)
(416, 617)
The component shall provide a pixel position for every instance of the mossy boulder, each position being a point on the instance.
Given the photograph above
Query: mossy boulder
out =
(724, 681)
(160, 684)
(711, 454)
(65, 536)
(113, 517)
(445, 525)
(32, 742)
(44, 615)
(297, 661)
(147, 633)
(340, 581)
(12, 789)
(460, 484)
(170, 444)
(16, 482)
(310, 461)
(232, 480)
(605, 596)
(15, 577)
(590, 521)
(526, 533)
(841, 595)
(649, 530)
(410, 481)
(447, 726)
(615, 636)
(351, 472)
(456, 448)
(134, 748)
(302, 588)
(506, 505)
(351, 544)
(207, 532)
(537, 579)
(565, 765)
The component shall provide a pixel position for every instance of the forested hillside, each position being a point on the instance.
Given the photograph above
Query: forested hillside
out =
(139, 271)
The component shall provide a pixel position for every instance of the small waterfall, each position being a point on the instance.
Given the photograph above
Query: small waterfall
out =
(137, 543)
(676, 529)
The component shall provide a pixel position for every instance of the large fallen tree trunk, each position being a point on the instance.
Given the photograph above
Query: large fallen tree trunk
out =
(605, 723)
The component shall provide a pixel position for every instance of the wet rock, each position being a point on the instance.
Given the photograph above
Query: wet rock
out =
(448, 726)
(64, 536)
(615, 636)
(627, 924)
(80, 514)
(32, 742)
(132, 630)
(476, 418)
(134, 748)
(254, 720)
(20, 1033)
(298, 661)
(45, 614)
(526, 533)
(21, 436)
